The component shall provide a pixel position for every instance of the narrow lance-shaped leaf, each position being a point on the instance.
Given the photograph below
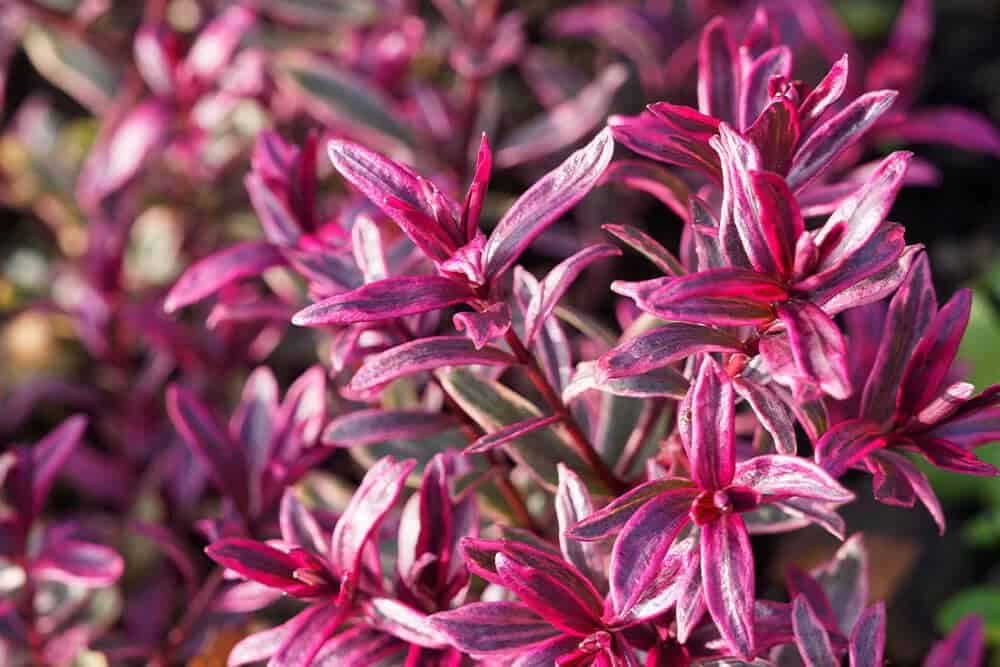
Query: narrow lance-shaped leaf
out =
(491, 441)
(573, 504)
(364, 427)
(476, 194)
(717, 75)
(493, 628)
(649, 247)
(396, 190)
(652, 179)
(208, 438)
(545, 202)
(727, 572)
(664, 345)
(709, 430)
(209, 275)
(811, 637)
(778, 476)
(817, 346)
(370, 503)
(781, 222)
(81, 563)
(386, 299)
(555, 284)
(50, 454)
(424, 355)
(558, 594)
(834, 136)
(964, 645)
(867, 645)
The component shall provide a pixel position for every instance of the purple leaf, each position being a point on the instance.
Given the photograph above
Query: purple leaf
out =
(896, 481)
(859, 216)
(276, 216)
(81, 563)
(404, 622)
(781, 224)
(720, 284)
(217, 41)
(658, 382)
(253, 422)
(573, 504)
(491, 441)
(555, 284)
(364, 427)
(830, 139)
(951, 126)
(964, 645)
(817, 346)
(557, 593)
(846, 443)
(650, 136)
(476, 194)
(811, 637)
(649, 247)
(771, 412)
(754, 95)
(210, 274)
(50, 454)
(208, 438)
(564, 124)
(370, 503)
(706, 423)
(824, 95)
(612, 517)
(845, 581)
(778, 476)
(408, 199)
(662, 346)
(643, 542)
(910, 313)
(305, 635)
(717, 73)
(424, 355)
(545, 202)
(258, 646)
(727, 570)
(262, 563)
(934, 354)
(867, 644)
(298, 525)
(654, 180)
(386, 299)
(493, 628)
(359, 647)
(483, 327)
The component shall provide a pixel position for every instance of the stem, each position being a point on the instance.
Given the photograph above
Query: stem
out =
(555, 403)
(507, 489)
(647, 420)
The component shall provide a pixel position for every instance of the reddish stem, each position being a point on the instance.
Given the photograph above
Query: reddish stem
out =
(555, 403)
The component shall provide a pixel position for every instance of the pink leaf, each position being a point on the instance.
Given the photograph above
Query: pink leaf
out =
(486, 326)
(811, 637)
(727, 572)
(706, 424)
(476, 194)
(964, 645)
(867, 644)
(424, 355)
(651, 179)
(555, 284)
(817, 346)
(772, 245)
(364, 427)
(717, 73)
(649, 247)
(493, 628)
(545, 202)
(491, 441)
(664, 345)
(847, 443)
(81, 563)
(612, 517)
(383, 300)
(833, 137)
(212, 273)
(369, 505)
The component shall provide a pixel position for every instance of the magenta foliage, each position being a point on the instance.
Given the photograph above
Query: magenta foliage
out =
(482, 471)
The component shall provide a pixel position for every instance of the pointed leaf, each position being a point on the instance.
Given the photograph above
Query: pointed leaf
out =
(811, 637)
(545, 202)
(717, 73)
(964, 645)
(383, 300)
(727, 572)
(649, 247)
(50, 454)
(491, 441)
(662, 346)
(80, 563)
(868, 638)
(830, 139)
(373, 499)
(612, 517)
(780, 227)
(573, 504)
(364, 427)
(207, 437)
(556, 282)
(817, 346)
(424, 355)
(493, 628)
(707, 427)
(209, 275)
(651, 179)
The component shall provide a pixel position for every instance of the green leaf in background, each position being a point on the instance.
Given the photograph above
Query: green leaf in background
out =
(984, 601)
(73, 66)
(494, 406)
(335, 95)
(866, 19)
